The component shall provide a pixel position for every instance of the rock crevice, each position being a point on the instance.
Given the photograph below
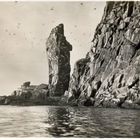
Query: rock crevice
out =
(110, 77)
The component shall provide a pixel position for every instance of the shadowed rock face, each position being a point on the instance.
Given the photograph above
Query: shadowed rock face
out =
(109, 74)
(58, 52)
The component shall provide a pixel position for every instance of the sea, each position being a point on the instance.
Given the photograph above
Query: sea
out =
(75, 122)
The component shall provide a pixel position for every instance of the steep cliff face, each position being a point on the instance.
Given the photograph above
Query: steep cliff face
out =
(58, 51)
(109, 75)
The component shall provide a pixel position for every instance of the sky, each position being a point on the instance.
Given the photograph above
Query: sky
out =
(24, 29)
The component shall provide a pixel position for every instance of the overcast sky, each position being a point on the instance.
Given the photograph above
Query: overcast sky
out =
(24, 28)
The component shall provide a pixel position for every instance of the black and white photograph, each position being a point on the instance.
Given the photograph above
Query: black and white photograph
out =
(69, 69)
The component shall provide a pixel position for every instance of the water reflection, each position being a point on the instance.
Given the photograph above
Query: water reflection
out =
(59, 119)
(91, 122)
(52, 121)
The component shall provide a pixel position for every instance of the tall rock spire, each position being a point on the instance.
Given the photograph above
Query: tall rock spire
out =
(58, 52)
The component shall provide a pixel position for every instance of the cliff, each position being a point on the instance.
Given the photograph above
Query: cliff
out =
(109, 75)
(58, 52)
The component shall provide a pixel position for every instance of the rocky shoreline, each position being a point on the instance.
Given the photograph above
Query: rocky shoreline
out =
(107, 77)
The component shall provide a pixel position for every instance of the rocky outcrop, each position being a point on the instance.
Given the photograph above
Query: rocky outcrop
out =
(109, 75)
(58, 51)
(41, 92)
(28, 94)
(2, 100)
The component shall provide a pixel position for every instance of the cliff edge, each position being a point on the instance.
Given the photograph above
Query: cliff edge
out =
(109, 75)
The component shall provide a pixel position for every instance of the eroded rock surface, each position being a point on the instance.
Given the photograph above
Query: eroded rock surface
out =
(58, 51)
(109, 75)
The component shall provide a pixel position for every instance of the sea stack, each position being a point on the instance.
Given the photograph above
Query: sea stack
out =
(58, 53)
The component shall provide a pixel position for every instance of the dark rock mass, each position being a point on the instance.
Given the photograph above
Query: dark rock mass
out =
(109, 75)
(58, 51)
(29, 94)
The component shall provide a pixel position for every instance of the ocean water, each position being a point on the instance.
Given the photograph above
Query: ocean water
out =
(55, 121)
